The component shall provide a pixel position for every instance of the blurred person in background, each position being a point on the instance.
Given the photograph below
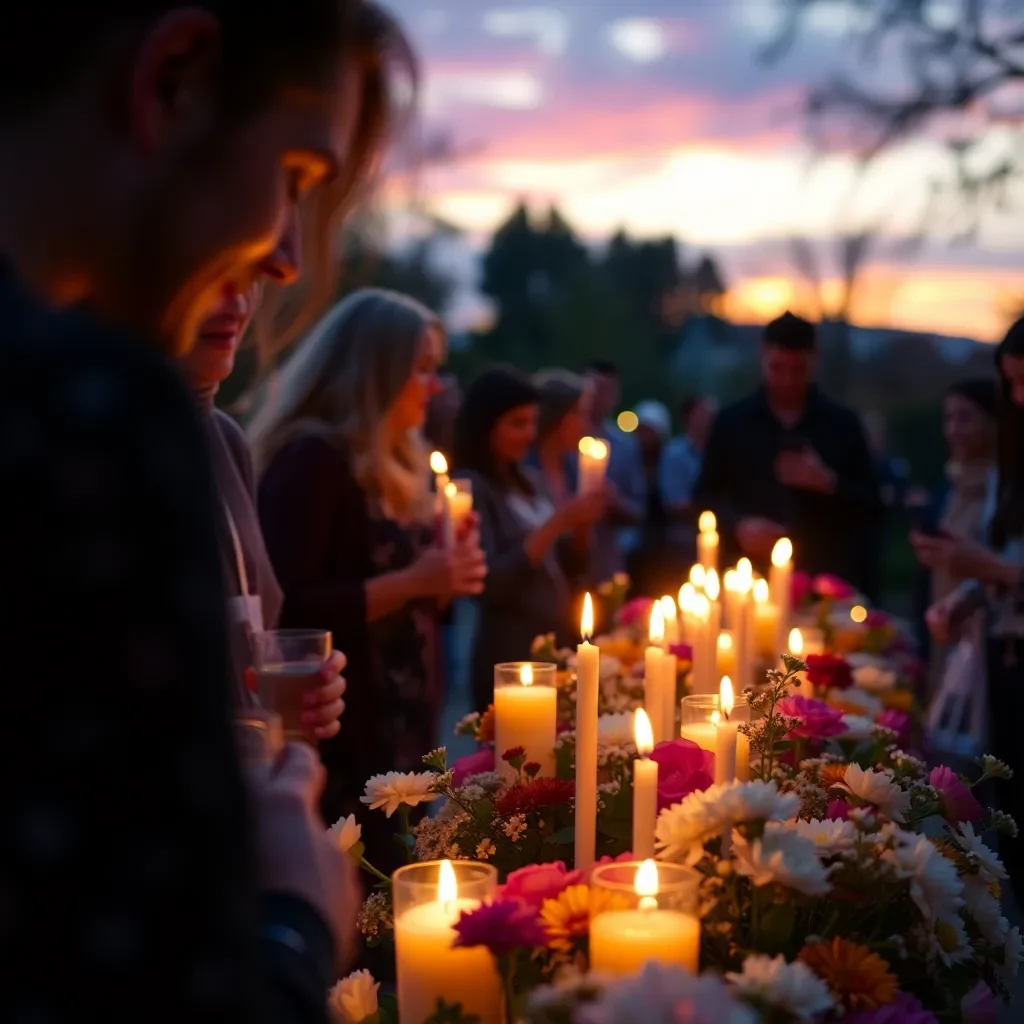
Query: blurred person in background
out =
(563, 400)
(994, 578)
(893, 476)
(439, 429)
(150, 159)
(678, 472)
(348, 517)
(789, 461)
(536, 546)
(621, 533)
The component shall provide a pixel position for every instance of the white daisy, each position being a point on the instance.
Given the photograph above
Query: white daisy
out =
(345, 833)
(935, 886)
(954, 942)
(878, 789)
(1013, 953)
(354, 998)
(985, 911)
(990, 867)
(830, 837)
(791, 988)
(389, 792)
(784, 857)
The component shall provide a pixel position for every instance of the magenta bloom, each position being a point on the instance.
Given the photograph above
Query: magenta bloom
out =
(877, 620)
(801, 589)
(472, 764)
(838, 810)
(958, 802)
(635, 612)
(904, 1009)
(898, 721)
(683, 652)
(817, 719)
(979, 1006)
(828, 672)
(832, 588)
(683, 768)
(503, 927)
(539, 882)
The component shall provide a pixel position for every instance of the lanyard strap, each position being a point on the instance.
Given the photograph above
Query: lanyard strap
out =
(243, 576)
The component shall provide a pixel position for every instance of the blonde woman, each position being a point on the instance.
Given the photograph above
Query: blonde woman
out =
(347, 516)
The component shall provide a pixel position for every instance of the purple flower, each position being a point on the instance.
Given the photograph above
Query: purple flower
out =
(958, 802)
(817, 719)
(683, 768)
(635, 612)
(472, 764)
(838, 810)
(503, 927)
(539, 882)
(979, 1006)
(904, 1009)
(899, 722)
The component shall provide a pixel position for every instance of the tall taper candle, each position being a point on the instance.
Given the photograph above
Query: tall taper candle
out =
(780, 587)
(588, 670)
(645, 788)
(654, 677)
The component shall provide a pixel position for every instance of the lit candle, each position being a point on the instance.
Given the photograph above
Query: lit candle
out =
(525, 715)
(645, 788)
(429, 968)
(743, 626)
(701, 718)
(726, 733)
(766, 622)
(654, 676)
(725, 662)
(439, 466)
(671, 618)
(458, 495)
(712, 595)
(588, 663)
(593, 464)
(687, 595)
(800, 683)
(707, 540)
(698, 576)
(622, 941)
(780, 586)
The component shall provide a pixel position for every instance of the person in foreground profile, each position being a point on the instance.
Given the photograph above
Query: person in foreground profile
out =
(789, 461)
(148, 162)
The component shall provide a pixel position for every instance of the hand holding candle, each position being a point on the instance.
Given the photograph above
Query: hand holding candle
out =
(645, 788)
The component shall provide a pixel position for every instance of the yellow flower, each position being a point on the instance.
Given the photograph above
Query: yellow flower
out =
(566, 918)
(858, 978)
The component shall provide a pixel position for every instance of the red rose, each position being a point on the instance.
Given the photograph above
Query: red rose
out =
(828, 671)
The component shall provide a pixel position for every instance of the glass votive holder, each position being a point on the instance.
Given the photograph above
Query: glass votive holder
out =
(700, 714)
(643, 911)
(428, 899)
(525, 714)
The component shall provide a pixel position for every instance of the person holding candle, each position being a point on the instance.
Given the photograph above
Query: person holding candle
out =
(562, 410)
(348, 518)
(533, 543)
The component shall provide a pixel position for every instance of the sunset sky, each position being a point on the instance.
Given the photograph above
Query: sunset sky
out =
(656, 116)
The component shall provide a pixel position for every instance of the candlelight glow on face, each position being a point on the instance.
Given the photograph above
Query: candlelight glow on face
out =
(698, 576)
(712, 586)
(438, 463)
(587, 620)
(782, 553)
(656, 630)
(796, 642)
(859, 614)
(707, 522)
(447, 886)
(761, 591)
(526, 675)
(726, 699)
(643, 734)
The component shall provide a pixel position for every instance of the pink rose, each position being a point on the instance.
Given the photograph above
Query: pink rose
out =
(899, 722)
(838, 810)
(958, 802)
(683, 768)
(502, 927)
(635, 612)
(817, 719)
(832, 588)
(539, 882)
(472, 764)
(801, 588)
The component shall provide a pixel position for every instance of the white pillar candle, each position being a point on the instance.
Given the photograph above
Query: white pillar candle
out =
(701, 717)
(428, 966)
(743, 627)
(671, 619)
(593, 464)
(525, 715)
(588, 665)
(726, 733)
(645, 788)
(699, 576)
(712, 594)
(780, 587)
(669, 670)
(707, 540)
(766, 623)
(653, 672)
(800, 684)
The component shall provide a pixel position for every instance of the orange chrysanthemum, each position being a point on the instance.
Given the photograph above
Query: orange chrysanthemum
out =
(858, 978)
(833, 774)
(566, 917)
(485, 727)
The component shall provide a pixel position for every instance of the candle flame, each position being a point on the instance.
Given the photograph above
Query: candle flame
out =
(701, 606)
(646, 881)
(598, 449)
(744, 569)
(526, 675)
(782, 553)
(587, 621)
(438, 463)
(586, 444)
(761, 591)
(656, 630)
(668, 607)
(796, 642)
(687, 596)
(730, 581)
(715, 717)
(726, 697)
(447, 887)
(707, 522)
(643, 734)
(859, 613)
(450, 490)
(725, 640)
(698, 576)
(712, 586)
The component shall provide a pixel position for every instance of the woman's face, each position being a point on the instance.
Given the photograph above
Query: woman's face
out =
(213, 356)
(514, 434)
(573, 426)
(409, 410)
(969, 431)
(1012, 368)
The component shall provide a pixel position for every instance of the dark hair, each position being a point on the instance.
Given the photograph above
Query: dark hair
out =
(605, 367)
(980, 391)
(1008, 521)
(493, 393)
(791, 332)
(557, 392)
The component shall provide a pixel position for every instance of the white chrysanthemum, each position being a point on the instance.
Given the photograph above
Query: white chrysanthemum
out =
(990, 867)
(792, 988)
(935, 886)
(831, 836)
(954, 942)
(389, 792)
(345, 833)
(1013, 953)
(354, 998)
(879, 789)
(858, 727)
(985, 911)
(684, 828)
(783, 857)
(867, 704)
(615, 730)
